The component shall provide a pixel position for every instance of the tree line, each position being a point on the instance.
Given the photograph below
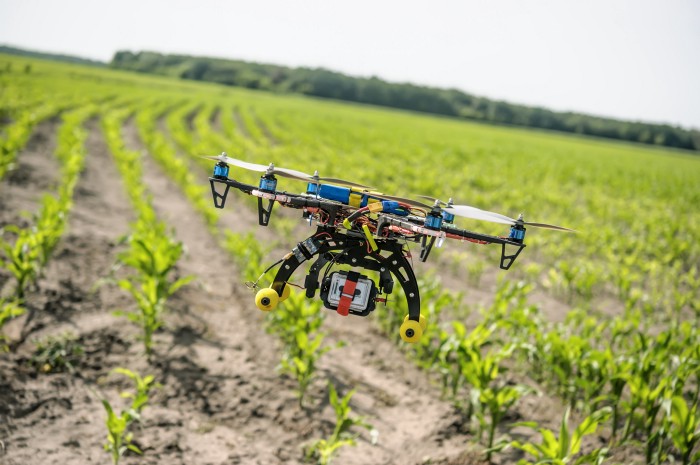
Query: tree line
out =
(320, 82)
(50, 56)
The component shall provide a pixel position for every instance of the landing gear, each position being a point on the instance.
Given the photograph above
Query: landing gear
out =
(348, 292)
(285, 292)
(267, 299)
(411, 331)
(423, 321)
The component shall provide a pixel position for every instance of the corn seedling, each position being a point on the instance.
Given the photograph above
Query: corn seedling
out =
(56, 354)
(175, 166)
(50, 224)
(21, 258)
(9, 308)
(153, 255)
(119, 434)
(685, 429)
(564, 449)
(246, 251)
(325, 449)
(297, 323)
(490, 398)
(16, 135)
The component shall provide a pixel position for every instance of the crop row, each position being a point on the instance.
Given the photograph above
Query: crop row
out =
(24, 251)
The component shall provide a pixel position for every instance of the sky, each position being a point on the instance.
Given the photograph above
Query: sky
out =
(628, 59)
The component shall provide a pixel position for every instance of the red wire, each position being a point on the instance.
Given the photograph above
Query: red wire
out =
(475, 241)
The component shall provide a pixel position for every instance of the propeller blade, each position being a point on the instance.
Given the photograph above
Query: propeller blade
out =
(549, 226)
(413, 203)
(474, 213)
(284, 172)
(292, 174)
(468, 210)
(239, 163)
(432, 199)
(478, 214)
(341, 182)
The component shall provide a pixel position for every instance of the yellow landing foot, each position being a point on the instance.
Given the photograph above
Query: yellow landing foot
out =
(285, 292)
(267, 299)
(423, 321)
(411, 331)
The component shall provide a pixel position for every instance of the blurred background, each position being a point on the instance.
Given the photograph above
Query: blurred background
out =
(631, 60)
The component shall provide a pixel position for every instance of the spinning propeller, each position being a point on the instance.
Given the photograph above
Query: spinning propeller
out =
(467, 211)
(271, 169)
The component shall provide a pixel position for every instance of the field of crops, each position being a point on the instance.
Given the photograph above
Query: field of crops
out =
(117, 276)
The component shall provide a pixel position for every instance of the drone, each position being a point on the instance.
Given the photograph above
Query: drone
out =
(364, 230)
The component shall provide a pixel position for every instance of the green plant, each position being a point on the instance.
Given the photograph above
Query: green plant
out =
(301, 360)
(33, 244)
(56, 354)
(564, 449)
(21, 258)
(490, 398)
(247, 252)
(153, 255)
(323, 450)
(16, 135)
(50, 223)
(176, 167)
(297, 323)
(685, 429)
(119, 435)
(9, 308)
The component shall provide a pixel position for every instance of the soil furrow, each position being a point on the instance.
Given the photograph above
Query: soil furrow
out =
(220, 366)
(36, 173)
(71, 430)
(240, 124)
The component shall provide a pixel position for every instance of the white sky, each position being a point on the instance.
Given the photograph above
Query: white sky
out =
(631, 59)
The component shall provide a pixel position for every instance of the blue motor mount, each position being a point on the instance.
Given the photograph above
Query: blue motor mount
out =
(517, 233)
(268, 183)
(221, 170)
(434, 218)
(448, 217)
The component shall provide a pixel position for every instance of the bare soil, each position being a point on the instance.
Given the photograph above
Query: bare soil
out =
(222, 399)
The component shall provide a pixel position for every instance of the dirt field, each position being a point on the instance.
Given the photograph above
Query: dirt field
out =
(222, 400)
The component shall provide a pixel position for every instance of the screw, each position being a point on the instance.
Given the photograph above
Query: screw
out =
(411, 294)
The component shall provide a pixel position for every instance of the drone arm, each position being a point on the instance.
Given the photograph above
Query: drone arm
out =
(220, 198)
(507, 259)
(304, 251)
(452, 232)
(401, 269)
(289, 265)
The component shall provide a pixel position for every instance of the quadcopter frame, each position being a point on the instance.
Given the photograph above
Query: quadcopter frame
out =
(344, 238)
